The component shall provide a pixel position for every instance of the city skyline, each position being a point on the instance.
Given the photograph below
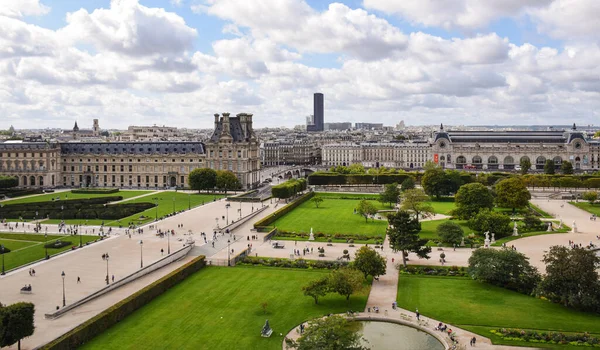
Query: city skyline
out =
(531, 62)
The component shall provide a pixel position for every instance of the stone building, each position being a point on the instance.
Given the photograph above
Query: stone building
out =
(233, 146)
(503, 150)
(407, 155)
(288, 152)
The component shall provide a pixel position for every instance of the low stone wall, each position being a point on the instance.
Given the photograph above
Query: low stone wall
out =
(130, 278)
(238, 223)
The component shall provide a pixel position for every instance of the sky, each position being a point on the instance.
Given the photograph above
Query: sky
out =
(177, 62)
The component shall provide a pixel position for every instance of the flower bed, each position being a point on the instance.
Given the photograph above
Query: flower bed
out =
(579, 339)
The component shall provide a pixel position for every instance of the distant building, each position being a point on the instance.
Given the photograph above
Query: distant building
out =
(368, 126)
(294, 152)
(319, 113)
(338, 126)
(407, 155)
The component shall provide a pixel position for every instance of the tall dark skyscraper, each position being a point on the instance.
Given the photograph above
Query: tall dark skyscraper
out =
(319, 114)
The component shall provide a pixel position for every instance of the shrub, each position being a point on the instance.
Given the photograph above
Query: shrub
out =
(96, 190)
(487, 220)
(116, 313)
(57, 244)
(450, 232)
(281, 212)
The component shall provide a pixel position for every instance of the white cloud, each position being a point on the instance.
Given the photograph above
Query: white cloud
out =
(130, 28)
(570, 19)
(20, 8)
(449, 14)
(294, 23)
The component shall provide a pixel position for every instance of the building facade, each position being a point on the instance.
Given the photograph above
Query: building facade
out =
(233, 146)
(293, 152)
(504, 150)
(406, 155)
(318, 117)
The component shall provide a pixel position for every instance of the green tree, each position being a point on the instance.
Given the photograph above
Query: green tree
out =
(16, 323)
(567, 167)
(317, 288)
(345, 281)
(390, 194)
(202, 179)
(366, 209)
(8, 181)
(532, 223)
(329, 333)
(597, 134)
(487, 220)
(549, 167)
(590, 196)
(512, 193)
(417, 201)
(407, 184)
(525, 164)
(450, 232)
(506, 268)
(356, 168)
(471, 198)
(571, 278)
(369, 262)
(226, 180)
(403, 234)
(317, 200)
(434, 182)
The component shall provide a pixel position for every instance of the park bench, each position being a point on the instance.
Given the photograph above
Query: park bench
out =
(26, 290)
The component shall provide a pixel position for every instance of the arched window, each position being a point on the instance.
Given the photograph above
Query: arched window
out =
(492, 160)
(477, 160)
(540, 160)
(557, 160)
(509, 160)
(461, 160)
(32, 181)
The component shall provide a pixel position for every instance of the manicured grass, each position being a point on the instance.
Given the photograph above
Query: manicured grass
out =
(69, 195)
(467, 303)
(592, 209)
(30, 251)
(220, 308)
(442, 207)
(332, 216)
(500, 241)
(540, 211)
(166, 205)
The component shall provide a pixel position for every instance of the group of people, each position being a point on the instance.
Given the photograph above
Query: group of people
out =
(32, 272)
(593, 217)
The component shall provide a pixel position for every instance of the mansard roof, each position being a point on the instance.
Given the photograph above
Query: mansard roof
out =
(139, 148)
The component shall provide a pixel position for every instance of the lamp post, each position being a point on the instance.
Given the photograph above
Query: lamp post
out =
(64, 299)
(173, 205)
(46, 244)
(227, 208)
(2, 249)
(107, 269)
(240, 209)
(168, 243)
(141, 254)
(228, 252)
(217, 220)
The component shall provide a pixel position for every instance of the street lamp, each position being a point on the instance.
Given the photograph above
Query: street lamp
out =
(107, 268)
(64, 299)
(168, 243)
(227, 207)
(217, 220)
(46, 245)
(141, 255)
(240, 209)
(2, 249)
(228, 252)
(173, 205)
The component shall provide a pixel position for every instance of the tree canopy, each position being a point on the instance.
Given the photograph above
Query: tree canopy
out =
(549, 167)
(390, 194)
(512, 193)
(525, 165)
(317, 200)
(417, 201)
(329, 333)
(590, 196)
(317, 288)
(450, 232)
(226, 180)
(566, 167)
(369, 262)
(403, 235)
(407, 184)
(506, 268)
(202, 179)
(16, 323)
(491, 221)
(366, 209)
(345, 281)
(438, 182)
(471, 198)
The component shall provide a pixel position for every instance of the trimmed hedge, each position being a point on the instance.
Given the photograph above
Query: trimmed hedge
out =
(289, 188)
(95, 190)
(323, 178)
(14, 193)
(281, 212)
(542, 337)
(116, 313)
(92, 208)
(296, 263)
(345, 236)
(433, 270)
(6, 251)
(57, 244)
(8, 181)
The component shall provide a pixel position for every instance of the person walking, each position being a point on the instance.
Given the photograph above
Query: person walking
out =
(418, 315)
(113, 278)
(78, 279)
(162, 251)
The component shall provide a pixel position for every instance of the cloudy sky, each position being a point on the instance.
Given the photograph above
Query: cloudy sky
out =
(177, 62)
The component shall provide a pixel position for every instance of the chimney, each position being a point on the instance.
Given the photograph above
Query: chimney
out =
(243, 121)
(216, 120)
(249, 126)
(226, 128)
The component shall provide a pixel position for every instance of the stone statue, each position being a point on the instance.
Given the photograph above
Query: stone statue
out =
(574, 227)
(493, 238)
(560, 224)
(266, 330)
(312, 237)
(486, 242)
(515, 230)
(549, 227)
(462, 242)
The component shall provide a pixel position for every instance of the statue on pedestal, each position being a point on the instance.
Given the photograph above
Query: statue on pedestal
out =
(493, 238)
(462, 242)
(487, 239)
(515, 229)
(266, 330)
(574, 227)
(560, 224)
(311, 237)
(549, 227)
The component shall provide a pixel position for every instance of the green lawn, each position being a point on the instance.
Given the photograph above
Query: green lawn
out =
(166, 205)
(482, 307)
(429, 228)
(220, 308)
(590, 208)
(30, 251)
(442, 207)
(333, 216)
(69, 195)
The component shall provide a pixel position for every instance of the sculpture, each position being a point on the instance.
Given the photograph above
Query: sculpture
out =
(515, 230)
(560, 224)
(266, 330)
(574, 227)
(486, 242)
(493, 239)
(312, 237)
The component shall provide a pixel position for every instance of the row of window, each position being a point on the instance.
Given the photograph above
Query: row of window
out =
(25, 155)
